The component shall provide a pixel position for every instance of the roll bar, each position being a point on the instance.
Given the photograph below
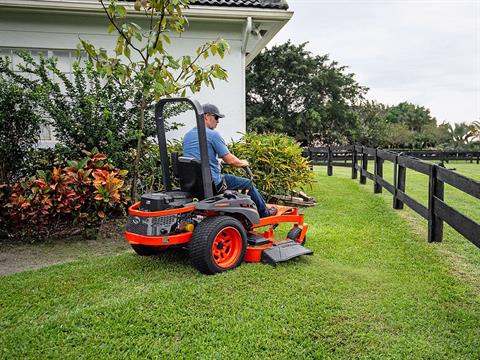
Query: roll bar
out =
(202, 140)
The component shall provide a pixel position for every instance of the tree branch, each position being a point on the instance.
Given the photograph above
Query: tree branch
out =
(150, 30)
(205, 49)
(120, 31)
(160, 26)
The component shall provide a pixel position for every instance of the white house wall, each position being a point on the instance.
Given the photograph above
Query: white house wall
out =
(47, 31)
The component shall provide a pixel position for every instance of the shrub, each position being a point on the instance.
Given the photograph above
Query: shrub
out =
(4, 195)
(83, 193)
(150, 179)
(276, 161)
(88, 111)
(19, 127)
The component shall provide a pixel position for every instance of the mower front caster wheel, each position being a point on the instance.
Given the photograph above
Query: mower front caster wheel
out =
(218, 244)
(294, 234)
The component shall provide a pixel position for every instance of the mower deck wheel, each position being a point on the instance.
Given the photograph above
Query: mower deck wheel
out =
(218, 244)
(294, 234)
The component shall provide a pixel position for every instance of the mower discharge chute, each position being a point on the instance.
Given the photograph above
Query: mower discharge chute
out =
(219, 230)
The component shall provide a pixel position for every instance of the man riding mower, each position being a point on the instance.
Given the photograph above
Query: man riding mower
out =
(220, 228)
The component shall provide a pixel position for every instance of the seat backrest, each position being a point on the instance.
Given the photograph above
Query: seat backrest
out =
(189, 173)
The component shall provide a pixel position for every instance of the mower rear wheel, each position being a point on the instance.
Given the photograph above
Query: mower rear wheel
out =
(294, 234)
(218, 244)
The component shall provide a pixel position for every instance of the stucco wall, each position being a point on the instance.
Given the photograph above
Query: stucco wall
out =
(62, 31)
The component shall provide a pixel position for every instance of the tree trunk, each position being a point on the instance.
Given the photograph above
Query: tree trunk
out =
(138, 155)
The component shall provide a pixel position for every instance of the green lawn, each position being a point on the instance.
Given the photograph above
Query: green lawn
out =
(463, 254)
(374, 289)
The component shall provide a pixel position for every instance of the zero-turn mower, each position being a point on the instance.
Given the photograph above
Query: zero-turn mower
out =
(219, 230)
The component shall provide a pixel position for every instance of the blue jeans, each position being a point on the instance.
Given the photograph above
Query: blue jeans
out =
(239, 183)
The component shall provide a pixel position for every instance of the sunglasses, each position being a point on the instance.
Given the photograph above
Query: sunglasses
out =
(215, 116)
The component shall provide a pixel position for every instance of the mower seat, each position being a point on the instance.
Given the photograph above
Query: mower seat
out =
(189, 173)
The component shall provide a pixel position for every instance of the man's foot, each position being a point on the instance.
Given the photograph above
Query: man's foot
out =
(271, 211)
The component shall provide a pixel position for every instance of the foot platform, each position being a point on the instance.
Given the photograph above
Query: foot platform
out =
(256, 240)
(284, 251)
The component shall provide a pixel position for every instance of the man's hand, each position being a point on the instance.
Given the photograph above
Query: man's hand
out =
(232, 160)
(244, 163)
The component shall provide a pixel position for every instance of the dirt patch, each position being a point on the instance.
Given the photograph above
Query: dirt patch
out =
(16, 257)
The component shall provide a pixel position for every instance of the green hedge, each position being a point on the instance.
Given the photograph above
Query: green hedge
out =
(276, 161)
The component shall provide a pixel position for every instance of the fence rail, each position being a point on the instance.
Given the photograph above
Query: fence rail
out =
(438, 211)
(342, 155)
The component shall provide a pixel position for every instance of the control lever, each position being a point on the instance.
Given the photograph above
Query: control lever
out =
(250, 175)
(249, 172)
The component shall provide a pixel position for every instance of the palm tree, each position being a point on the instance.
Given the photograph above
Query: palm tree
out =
(476, 129)
(463, 135)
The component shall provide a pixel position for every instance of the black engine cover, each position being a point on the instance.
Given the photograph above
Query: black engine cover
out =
(164, 200)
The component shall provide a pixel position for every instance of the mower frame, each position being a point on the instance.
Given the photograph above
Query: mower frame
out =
(209, 251)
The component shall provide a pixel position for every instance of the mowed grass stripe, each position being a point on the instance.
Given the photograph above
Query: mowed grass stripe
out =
(373, 289)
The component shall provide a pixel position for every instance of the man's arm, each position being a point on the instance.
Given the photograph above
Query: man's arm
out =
(232, 160)
(222, 151)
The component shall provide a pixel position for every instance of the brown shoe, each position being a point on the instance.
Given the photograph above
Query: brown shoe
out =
(272, 211)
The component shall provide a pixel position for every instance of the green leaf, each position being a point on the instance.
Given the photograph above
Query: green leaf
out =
(119, 47)
(127, 51)
(121, 11)
(213, 49)
(41, 174)
(83, 163)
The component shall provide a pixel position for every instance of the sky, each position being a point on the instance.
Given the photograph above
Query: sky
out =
(423, 51)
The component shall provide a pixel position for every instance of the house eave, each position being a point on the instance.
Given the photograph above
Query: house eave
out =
(195, 11)
(276, 18)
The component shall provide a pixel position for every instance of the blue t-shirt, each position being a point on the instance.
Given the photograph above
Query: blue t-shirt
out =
(216, 148)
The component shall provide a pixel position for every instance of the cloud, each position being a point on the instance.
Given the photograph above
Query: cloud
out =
(428, 51)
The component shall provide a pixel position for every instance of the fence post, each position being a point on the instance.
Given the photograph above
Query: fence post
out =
(354, 162)
(329, 161)
(377, 188)
(401, 177)
(363, 178)
(310, 157)
(435, 223)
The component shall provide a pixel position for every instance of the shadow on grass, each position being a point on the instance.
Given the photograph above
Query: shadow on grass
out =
(168, 262)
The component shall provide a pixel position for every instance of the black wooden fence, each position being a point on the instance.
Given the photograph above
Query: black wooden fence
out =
(437, 211)
(342, 155)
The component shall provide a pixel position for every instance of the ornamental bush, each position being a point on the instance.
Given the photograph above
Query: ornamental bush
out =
(86, 110)
(150, 174)
(20, 124)
(276, 161)
(82, 193)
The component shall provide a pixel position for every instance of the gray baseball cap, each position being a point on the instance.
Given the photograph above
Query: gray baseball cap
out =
(212, 109)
